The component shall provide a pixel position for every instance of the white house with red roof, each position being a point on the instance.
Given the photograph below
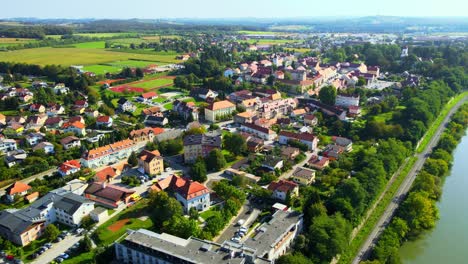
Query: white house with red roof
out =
(147, 96)
(306, 138)
(16, 189)
(69, 167)
(190, 194)
(104, 121)
(281, 189)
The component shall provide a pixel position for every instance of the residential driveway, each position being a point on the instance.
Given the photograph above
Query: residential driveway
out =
(288, 174)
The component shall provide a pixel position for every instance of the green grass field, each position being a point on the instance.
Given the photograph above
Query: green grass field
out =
(153, 83)
(272, 41)
(90, 45)
(83, 54)
(86, 257)
(250, 32)
(102, 69)
(104, 236)
(104, 35)
(131, 63)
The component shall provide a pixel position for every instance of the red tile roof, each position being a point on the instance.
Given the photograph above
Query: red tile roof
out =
(282, 186)
(68, 165)
(146, 131)
(105, 174)
(103, 119)
(186, 188)
(17, 187)
(220, 105)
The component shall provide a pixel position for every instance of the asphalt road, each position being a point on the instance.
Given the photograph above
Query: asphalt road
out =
(403, 190)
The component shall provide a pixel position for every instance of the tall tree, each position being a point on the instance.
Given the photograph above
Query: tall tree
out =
(327, 95)
(198, 170)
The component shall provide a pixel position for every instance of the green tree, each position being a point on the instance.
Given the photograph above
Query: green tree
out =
(216, 160)
(420, 212)
(198, 170)
(296, 258)
(133, 159)
(51, 232)
(86, 244)
(327, 95)
(87, 222)
(235, 143)
(163, 207)
(328, 236)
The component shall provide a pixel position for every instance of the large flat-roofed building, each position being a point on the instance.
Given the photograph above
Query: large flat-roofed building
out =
(145, 247)
(271, 240)
(274, 238)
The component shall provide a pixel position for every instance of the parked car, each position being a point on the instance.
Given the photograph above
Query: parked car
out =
(243, 229)
(235, 239)
(10, 257)
(58, 239)
(59, 260)
(240, 222)
(48, 245)
(79, 231)
(64, 256)
(2, 253)
(18, 261)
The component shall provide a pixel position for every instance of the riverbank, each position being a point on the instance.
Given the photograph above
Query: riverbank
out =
(446, 242)
(418, 212)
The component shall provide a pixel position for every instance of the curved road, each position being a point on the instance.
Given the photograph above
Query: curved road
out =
(366, 248)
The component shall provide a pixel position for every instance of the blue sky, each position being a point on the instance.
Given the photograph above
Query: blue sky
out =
(228, 9)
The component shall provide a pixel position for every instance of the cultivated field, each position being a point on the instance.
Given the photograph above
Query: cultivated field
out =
(5, 42)
(81, 54)
(272, 41)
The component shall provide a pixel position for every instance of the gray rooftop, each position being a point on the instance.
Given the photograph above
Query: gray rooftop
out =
(270, 233)
(192, 250)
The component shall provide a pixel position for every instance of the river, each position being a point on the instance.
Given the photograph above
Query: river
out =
(447, 242)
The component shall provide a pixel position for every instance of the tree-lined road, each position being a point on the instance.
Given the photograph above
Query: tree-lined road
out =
(404, 188)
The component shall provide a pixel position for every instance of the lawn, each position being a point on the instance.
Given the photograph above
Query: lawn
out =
(302, 50)
(84, 54)
(101, 69)
(130, 218)
(153, 83)
(131, 63)
(208, 213)
(168, 106)
(104, 35)
(82, 258)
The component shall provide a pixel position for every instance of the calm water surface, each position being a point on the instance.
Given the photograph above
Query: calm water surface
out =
(448, 241)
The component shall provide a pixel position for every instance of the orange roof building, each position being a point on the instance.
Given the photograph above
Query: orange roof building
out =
(190, 194)
(107, 154)
(69, 167)
(106, 175)
(217, 110)
(17, 188)
(283, 188)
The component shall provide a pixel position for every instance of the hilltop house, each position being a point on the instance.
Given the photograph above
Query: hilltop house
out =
(78, 128)
(46, 146)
